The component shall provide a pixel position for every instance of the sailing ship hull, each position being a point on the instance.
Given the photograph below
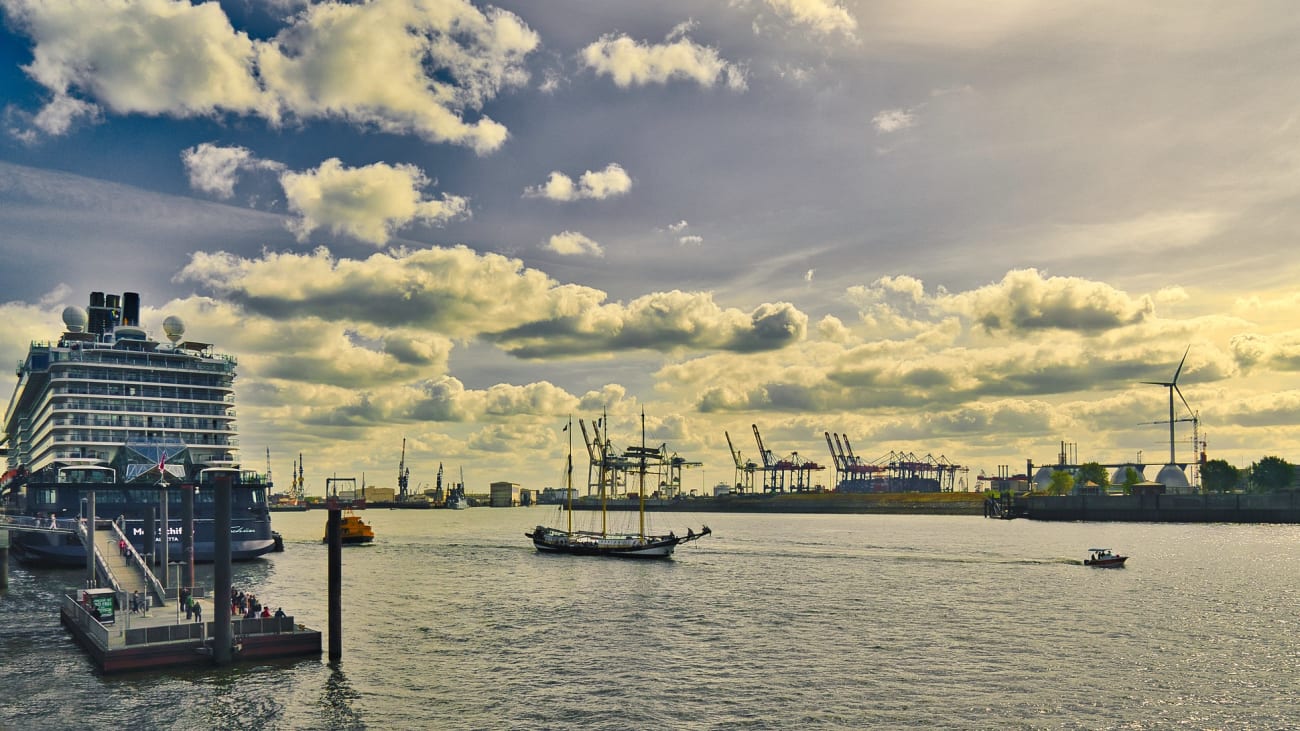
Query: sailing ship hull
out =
(549, 540)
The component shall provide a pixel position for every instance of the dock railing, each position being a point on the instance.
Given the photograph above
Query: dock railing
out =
(137, 561)
(262, 626)
(77, 612)
(101, 565)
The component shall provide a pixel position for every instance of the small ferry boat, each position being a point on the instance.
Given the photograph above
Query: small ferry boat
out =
(354, 530)
(1103, 558)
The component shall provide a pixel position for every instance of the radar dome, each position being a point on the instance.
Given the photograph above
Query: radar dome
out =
(174, 327)
(75, 318)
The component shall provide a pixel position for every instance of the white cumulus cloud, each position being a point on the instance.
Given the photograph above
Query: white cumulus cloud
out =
(215, 169)
(572, 243)
(632, 63)
(822, 16)
(368, 203)
(608, 183)
(393, 65)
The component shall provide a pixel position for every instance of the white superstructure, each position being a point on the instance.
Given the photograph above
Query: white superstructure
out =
(108, 394)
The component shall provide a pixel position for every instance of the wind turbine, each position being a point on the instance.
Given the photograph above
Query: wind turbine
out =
(1172, 385)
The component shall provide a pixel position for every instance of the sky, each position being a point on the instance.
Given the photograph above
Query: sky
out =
(947, 229)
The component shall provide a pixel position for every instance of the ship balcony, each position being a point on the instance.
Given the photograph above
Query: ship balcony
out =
(97, 402)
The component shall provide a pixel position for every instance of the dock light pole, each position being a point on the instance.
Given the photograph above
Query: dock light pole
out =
(166, 533)
(90, 538)
(334, 537)
(187, 532)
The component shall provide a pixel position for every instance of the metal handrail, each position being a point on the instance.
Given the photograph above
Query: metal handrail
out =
(154, 584)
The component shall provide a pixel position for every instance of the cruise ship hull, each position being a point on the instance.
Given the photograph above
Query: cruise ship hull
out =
(132, 507)
(53, 551)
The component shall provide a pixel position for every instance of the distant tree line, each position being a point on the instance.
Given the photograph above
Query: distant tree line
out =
(1269, 474)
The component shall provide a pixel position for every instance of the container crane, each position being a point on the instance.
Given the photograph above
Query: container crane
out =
(743, 479)
(769, 471)
(798, 470)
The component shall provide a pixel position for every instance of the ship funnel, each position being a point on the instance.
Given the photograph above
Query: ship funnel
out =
(131, 309)
(100, 315)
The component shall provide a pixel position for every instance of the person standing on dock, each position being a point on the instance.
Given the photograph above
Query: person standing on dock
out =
(198, 613)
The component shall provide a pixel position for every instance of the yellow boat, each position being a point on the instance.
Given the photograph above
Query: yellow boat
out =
(353, 529)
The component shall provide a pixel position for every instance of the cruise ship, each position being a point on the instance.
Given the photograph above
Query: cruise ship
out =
(109, 409)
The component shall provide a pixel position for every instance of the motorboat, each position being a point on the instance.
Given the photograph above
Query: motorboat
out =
(1103, 558)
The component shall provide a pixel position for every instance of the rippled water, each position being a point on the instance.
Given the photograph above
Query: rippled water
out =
(453, 621)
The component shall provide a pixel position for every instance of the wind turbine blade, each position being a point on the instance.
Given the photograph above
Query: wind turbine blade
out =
(1180, 364)
(1157, 383)
(1180, 395)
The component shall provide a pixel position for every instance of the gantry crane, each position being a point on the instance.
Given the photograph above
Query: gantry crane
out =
(793, 471)
(743, 479)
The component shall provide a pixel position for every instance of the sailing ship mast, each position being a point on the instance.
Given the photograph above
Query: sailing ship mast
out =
(641, 486)
(604, 460)
(568, 476)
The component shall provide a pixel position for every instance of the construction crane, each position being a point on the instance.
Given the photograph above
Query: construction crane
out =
(743, 479)
(298, 489)
(403, 474)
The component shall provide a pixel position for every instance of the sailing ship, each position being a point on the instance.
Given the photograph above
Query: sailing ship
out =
(109, 419)
(638, 544)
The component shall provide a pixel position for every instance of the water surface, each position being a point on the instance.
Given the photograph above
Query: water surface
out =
(453, 621)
